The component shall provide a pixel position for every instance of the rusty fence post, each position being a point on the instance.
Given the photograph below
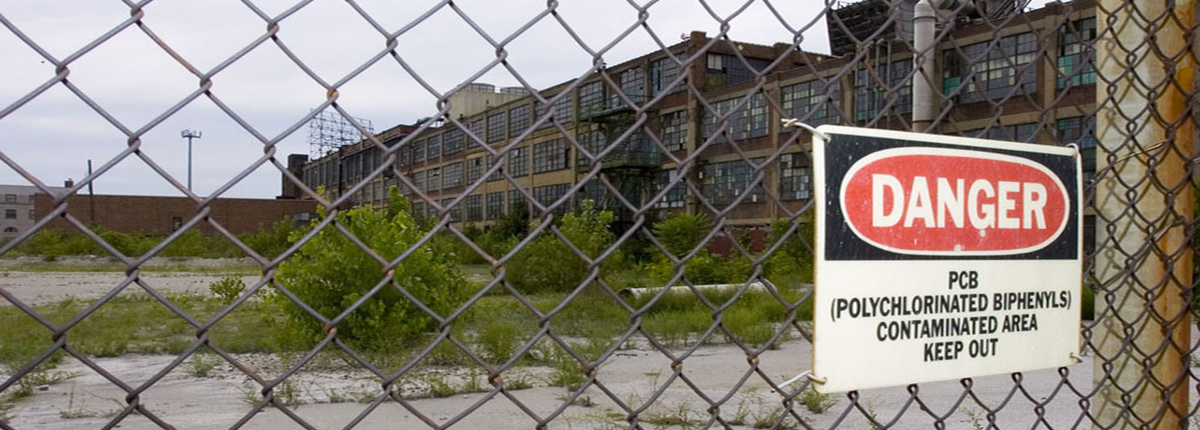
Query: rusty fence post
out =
(1143, 268)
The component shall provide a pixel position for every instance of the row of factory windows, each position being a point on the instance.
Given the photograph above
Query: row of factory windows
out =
(992, 70)
(720, 183)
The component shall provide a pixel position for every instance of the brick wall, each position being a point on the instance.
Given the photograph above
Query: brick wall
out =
(158, 215)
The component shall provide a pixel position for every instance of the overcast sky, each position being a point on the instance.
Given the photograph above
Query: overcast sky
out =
(135, 81)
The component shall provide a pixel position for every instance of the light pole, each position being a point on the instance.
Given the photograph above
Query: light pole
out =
(189, 135)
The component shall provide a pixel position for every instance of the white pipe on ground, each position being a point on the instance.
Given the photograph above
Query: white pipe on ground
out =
(637, 293)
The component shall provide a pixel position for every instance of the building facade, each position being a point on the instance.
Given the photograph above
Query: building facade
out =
(697, 126)
(18, 209)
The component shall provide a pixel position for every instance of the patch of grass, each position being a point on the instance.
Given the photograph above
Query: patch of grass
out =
(360, 393)
(517, 380)
(132, 324)
(439, 386)
(741, 414)
(748, 326)
(816, 402)
(775, 418)
(498, 340)
(73, 412)
(201, 365)
(232, 269)
(42, 375)
(751, 317)
(681, 415)
(568, 373)
(592, 313)
(289, 393)
(675, 328)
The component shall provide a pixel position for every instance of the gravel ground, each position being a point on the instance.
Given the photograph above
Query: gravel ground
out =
(330, 391)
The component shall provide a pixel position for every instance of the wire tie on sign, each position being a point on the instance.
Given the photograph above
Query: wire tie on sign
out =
(793, 122)
(1076, 358)
(817, 379)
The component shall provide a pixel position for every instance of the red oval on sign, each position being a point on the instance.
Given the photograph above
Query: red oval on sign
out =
(937, 201)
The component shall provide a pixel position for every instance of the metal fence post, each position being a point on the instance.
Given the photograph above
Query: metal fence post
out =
(1144, 205)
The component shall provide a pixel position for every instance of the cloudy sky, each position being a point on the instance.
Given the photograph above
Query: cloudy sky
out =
(135, 82)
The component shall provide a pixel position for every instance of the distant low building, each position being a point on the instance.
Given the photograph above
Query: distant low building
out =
(159, 215)
(17, 207)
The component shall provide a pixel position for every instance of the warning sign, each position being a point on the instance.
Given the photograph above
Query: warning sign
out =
(942, 257)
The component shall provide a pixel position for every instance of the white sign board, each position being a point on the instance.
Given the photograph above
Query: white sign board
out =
(942, 257)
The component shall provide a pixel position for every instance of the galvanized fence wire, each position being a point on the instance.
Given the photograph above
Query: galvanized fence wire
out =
(1059, 74)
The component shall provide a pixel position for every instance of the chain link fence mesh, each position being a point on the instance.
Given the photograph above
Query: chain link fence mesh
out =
(563, 322)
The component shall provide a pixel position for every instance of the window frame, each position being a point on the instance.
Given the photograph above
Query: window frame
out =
(496, 126)
(550, 156)
(518, 120)
(812, 102)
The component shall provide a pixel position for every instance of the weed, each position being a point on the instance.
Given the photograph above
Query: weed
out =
(583, 400)
(605, 419)
(869, 405)
(567, 377)
(681, 415)
(567, 371)
(361, 393)
(289, 393)
(201, 365)
(39, 377)
(228, 289)
(446, 353)
(517, 380)
(250, 396)
(438, 386)
(741, 414)
(776, 418)
(974, 418)
(498, 340)
(816, 402)
(71, 412)
(472, 385)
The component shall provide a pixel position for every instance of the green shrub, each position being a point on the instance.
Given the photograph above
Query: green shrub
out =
(681, 232)
(272, 242)
(792, 263)
(330, 273)
(193, 243)
(704, 268)
(228, 289)
(546, 264)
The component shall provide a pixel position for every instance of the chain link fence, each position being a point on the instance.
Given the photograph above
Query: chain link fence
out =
(621, 238)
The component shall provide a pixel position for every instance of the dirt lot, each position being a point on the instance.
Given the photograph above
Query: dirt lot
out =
(330, 393)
